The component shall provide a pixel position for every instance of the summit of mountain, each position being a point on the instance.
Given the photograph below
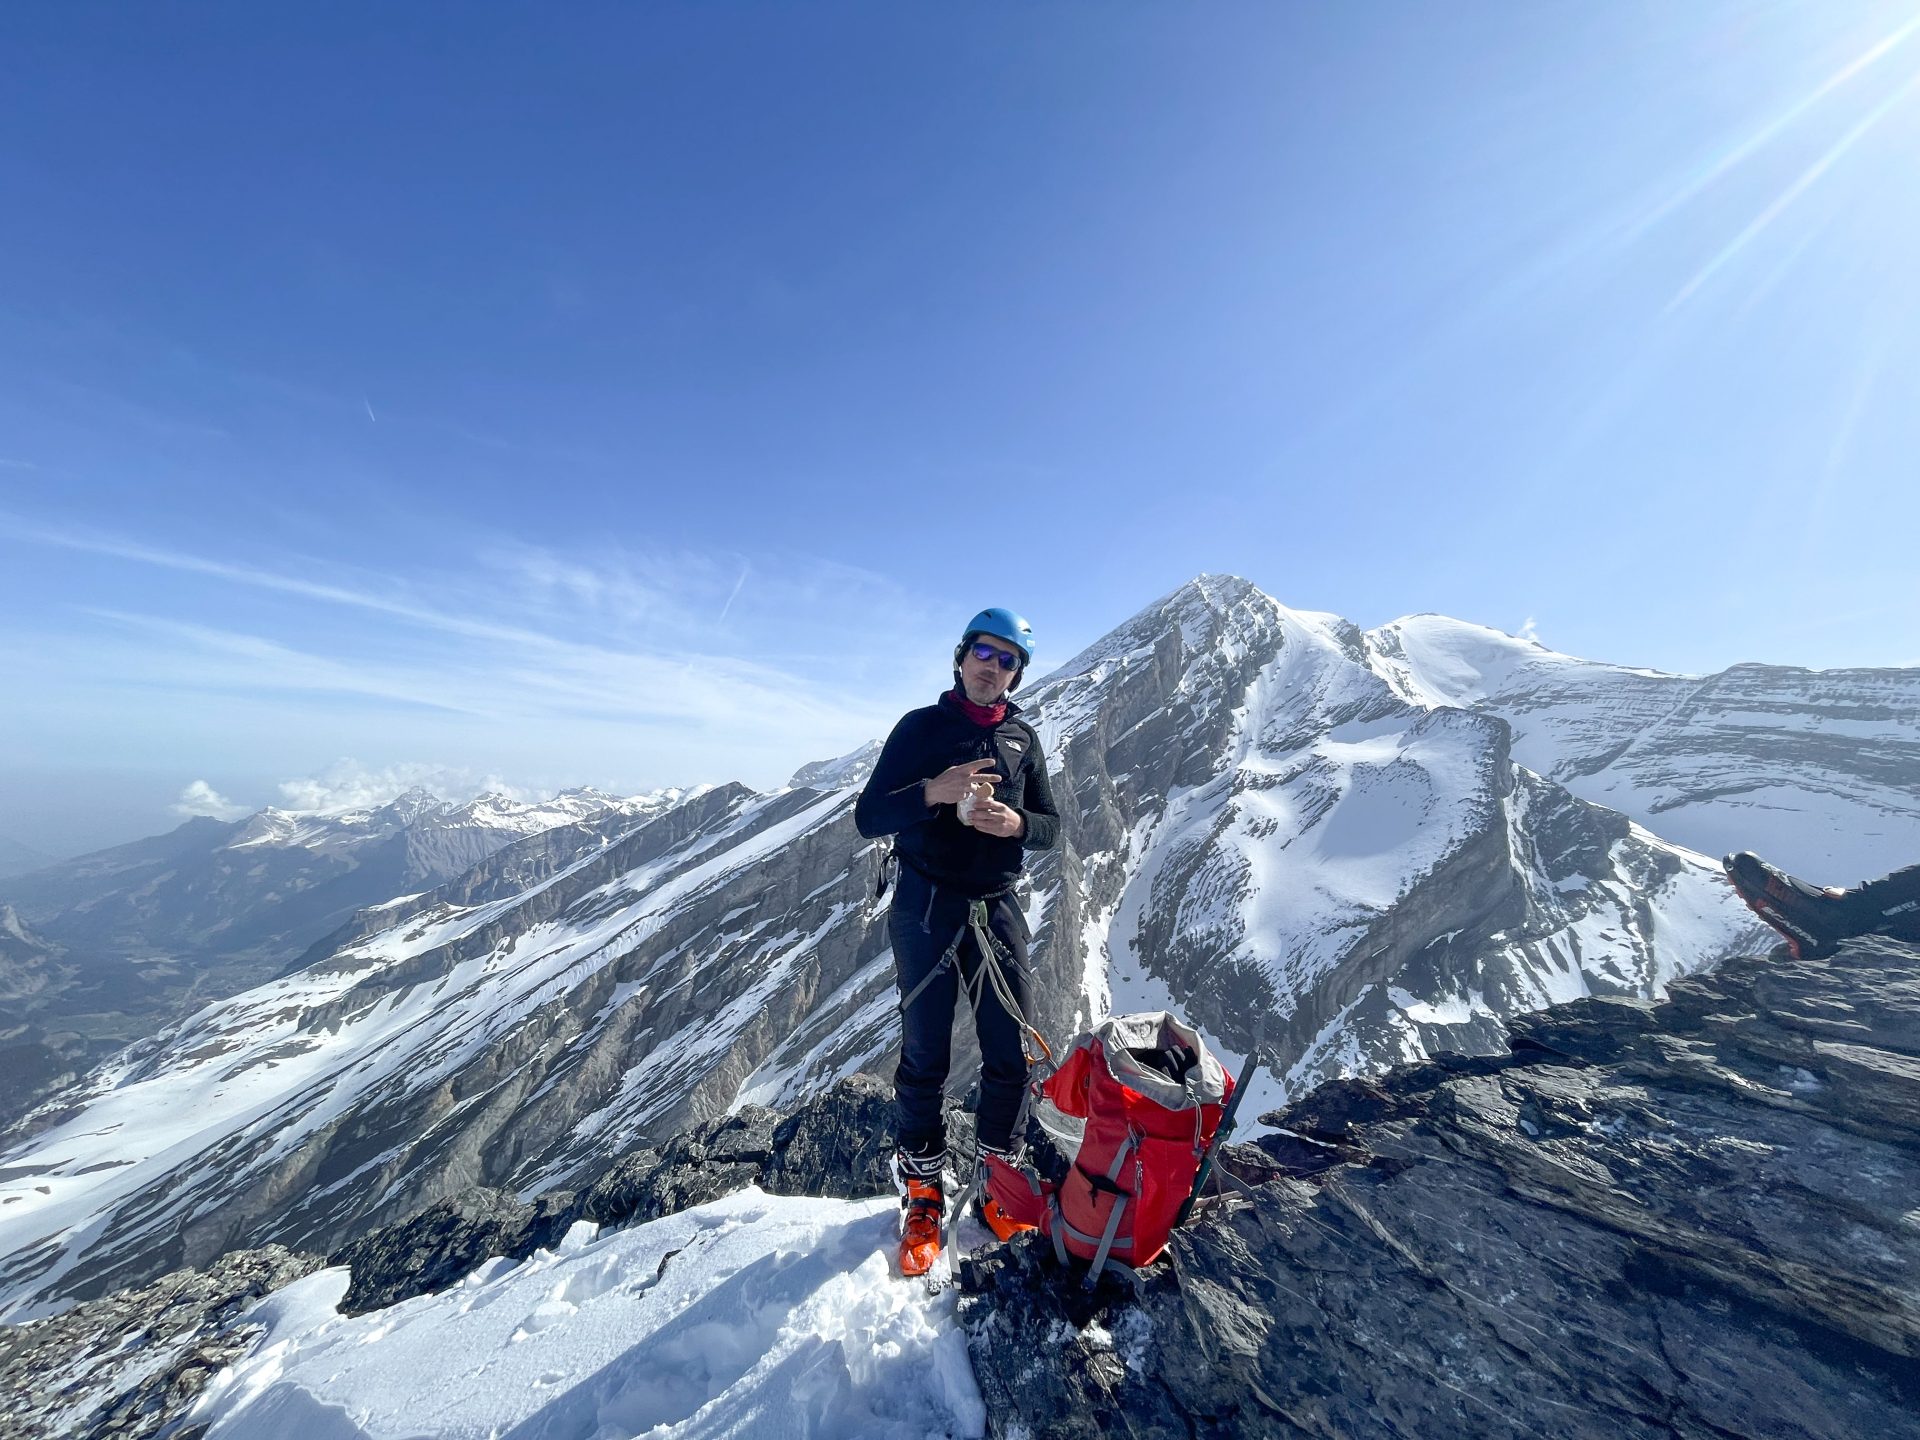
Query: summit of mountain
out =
(1634, 1219)
(1265, 827)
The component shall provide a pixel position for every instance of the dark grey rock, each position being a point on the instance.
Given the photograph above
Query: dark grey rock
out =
(707, 1162)
(129, 1366)
(443, 1244)
(836, 1145)
(1686, 1219)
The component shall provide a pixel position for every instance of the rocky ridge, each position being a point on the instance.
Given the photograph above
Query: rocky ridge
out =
(1685, 1219)
(134, 937)
(1692, 1218)
(1261, 831)
(130, 1366)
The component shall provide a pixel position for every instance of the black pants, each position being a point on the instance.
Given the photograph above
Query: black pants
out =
(1890, 904)
(924, 922)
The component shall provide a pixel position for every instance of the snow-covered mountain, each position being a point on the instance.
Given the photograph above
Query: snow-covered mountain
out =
(1267, 825)
(1818, 769)
(212, 888)
(1691, 1218)
(145, 932)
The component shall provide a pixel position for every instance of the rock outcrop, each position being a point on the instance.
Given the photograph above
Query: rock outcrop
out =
(1687, 1219)
(1261, 831)
(128, 1366)
(835, 1145)
(1690, 1219)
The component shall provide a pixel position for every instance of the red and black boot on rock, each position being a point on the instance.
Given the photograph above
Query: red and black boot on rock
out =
(1813, 921)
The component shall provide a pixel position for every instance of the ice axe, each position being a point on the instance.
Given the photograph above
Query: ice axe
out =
(1225, 1129)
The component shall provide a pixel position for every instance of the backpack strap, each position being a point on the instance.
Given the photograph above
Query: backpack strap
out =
(1113, 1215)
(1058, 1230)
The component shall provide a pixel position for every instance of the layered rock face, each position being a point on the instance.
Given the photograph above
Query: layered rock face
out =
(144, 933)
(1693, 1218)
(1261, 831)
(464, 1039)
(1274, 837)
(1272, 825)
(1820, 770)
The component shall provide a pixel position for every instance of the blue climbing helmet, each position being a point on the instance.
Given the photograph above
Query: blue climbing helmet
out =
(1004, 623)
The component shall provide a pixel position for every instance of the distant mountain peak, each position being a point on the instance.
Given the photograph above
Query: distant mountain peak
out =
(414, 803)
(1344, 848)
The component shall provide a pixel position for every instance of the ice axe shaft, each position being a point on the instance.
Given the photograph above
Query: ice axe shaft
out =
(1220, 1134)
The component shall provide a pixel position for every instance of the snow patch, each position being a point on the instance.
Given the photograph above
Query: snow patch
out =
(754, 1316)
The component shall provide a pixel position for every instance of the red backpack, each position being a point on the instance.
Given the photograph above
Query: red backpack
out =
(1132, 1109)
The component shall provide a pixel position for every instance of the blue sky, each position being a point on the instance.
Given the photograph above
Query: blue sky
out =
(633, 395)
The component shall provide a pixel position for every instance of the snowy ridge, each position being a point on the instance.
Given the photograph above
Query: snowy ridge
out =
(1269, 827)
(148, 931)
(1354, 854)
(753, 1316)
(358, 1075)
(1818, 769)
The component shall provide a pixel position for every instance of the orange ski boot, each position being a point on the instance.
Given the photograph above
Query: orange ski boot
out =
(1003, 1225)
(920, 1214)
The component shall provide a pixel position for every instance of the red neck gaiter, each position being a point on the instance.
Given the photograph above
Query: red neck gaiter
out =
(983, 715)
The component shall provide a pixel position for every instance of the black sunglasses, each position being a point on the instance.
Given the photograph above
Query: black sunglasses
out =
(1007, 658)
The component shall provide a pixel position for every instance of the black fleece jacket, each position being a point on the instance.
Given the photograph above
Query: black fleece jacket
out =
(931, 838)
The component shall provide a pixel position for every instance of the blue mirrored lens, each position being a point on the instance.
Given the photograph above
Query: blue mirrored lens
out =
(1006, 658)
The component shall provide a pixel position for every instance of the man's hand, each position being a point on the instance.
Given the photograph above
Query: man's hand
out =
(993, 818)
(950, 784)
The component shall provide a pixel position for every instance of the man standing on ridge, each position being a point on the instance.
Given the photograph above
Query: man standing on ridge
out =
(962, 786)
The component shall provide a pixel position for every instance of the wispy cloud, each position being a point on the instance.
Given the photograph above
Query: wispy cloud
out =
(94, 543)
(201, 799)
(205, 657)
(10, 464)
(349, 785)
(677, 653)
(733, 594)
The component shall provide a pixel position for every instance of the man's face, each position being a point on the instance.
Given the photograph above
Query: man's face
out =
(983, 680)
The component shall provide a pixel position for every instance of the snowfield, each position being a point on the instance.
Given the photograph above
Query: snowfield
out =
(1287, 829)
(753, 1316)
